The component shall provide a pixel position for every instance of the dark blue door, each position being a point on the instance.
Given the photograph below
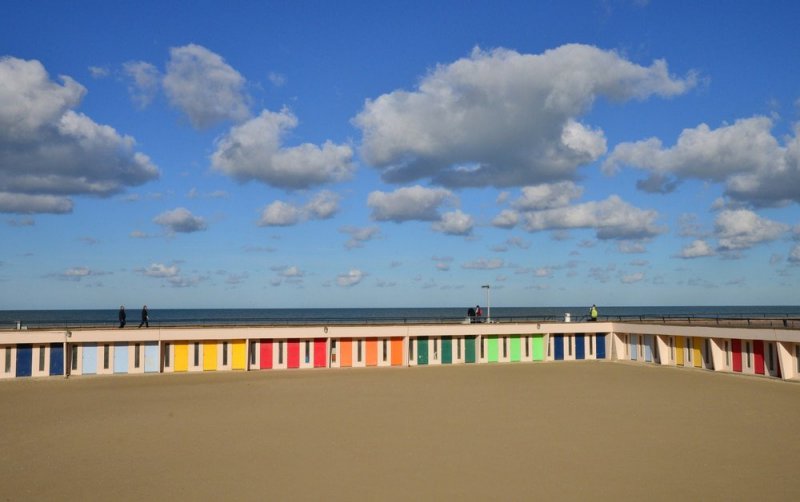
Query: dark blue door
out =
(56, 359)
(580, 350)
(601, 346)
(24, 359)
(558, 347)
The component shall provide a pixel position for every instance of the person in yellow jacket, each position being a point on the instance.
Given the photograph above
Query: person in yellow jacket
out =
(593, 313)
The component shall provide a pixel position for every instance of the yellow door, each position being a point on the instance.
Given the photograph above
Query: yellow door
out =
(239, 355)
(697, 353)
(679, 344)
(181, 356)
(209, 356)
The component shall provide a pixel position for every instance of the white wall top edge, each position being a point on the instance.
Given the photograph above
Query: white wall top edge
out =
(90, 335)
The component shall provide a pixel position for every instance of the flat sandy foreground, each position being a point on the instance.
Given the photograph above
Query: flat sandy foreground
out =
(587, 430)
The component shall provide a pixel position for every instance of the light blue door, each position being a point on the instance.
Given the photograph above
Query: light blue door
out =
(151, 360)
(120, 358)
(648, 348)
(89, 353)
(634, 346)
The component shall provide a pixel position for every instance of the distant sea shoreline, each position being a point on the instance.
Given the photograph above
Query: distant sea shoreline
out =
(251, 316)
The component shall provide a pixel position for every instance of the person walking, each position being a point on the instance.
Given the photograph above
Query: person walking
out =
(145, 318)
(478, 313)
(122, 316)
(593, 313)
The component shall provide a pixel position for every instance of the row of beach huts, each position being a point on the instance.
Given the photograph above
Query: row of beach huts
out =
(768, 352)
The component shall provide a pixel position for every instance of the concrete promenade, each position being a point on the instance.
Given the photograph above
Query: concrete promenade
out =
(596, 430)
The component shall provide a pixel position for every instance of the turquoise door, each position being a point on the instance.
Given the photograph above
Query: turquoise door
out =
(447, 350)
(469, 349)
(422, 350)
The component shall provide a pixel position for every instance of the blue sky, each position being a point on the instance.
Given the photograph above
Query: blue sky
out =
(378, 154)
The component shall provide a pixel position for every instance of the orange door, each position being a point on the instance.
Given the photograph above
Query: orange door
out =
(397, 351)
(346, 356)
(372, 352)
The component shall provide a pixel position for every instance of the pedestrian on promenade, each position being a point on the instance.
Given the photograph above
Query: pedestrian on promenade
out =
(122, 316)
(471, 314)
(145, 318)
(478, 313)
(593, 313)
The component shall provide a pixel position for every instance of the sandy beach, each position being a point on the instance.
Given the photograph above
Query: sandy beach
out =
(598, 430)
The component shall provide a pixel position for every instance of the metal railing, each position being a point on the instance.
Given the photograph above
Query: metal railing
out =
(756, 320)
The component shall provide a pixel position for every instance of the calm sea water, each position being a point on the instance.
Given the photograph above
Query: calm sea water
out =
(173, 317)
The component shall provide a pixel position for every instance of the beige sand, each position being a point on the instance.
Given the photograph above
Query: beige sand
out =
(517, 431)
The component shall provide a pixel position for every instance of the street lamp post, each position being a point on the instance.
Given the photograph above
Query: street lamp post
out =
(488, 303)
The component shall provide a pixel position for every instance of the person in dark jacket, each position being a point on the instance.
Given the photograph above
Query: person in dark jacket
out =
(122, 316)
(145, 318)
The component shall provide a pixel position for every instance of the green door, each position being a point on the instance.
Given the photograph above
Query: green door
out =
(422, 350)
(469, 349)
(492, 349)
(538, 347)
(447, 350)
(515, 349)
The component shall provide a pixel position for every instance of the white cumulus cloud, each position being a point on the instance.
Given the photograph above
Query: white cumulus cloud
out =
(280, 214)
(145, 81)
(203, 86)
(547, 196)
(180, 220)
(454, 223)
(503, 118)
(359, 235)
(351, 278)
(697, 249)
(744, 156)
(794, 254)
(611, 218)
(49, 152)
(506, 219)
(409, 203)
(743, 229)
(322, 206)
(254, 151)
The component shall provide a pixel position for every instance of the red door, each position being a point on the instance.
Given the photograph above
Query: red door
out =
(293, 353)
(320, 353)
(736, 347)
(758, 356)
(266, 354)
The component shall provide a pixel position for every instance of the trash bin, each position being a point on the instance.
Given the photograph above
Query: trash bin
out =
(567, 317)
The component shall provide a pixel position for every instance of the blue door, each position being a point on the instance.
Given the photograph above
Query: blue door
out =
(24, 359)
(634, 346)
(601, 346)
(56, 359)
(580, 347)
(558, 347)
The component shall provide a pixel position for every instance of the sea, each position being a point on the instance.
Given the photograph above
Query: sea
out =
(33, 319)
